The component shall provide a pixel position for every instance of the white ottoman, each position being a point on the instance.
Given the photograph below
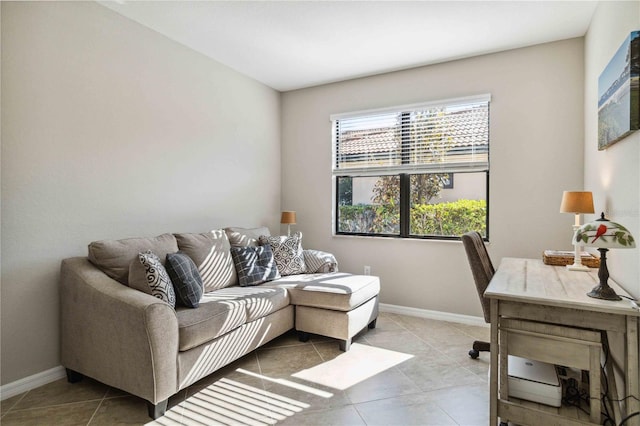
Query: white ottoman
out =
(336, 305)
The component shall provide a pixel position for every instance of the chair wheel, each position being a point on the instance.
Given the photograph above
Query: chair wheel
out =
(474, 354)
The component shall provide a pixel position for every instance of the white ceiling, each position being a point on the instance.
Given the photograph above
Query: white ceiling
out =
(294, 44)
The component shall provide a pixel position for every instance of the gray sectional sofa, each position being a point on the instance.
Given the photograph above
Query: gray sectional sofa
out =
(119, 333)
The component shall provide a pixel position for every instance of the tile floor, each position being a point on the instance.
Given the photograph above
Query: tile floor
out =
(423, 377)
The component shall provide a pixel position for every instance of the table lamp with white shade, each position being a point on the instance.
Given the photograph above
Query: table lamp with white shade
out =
(604, 235)
(577, 202)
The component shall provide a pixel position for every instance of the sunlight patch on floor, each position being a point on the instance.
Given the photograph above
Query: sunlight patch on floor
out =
(288, 383)
(359, 363)
(230, 402)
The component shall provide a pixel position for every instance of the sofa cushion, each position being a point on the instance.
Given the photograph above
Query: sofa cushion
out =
(186, 279)
(147, 274)
(254, 265)
(259, 301)
(245, 237)
(113, 257)
(210, 251)
(288, 253)
(337, 291)
(212, 319)
(224, 310)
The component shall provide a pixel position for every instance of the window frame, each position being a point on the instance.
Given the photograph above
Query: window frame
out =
(404, 175)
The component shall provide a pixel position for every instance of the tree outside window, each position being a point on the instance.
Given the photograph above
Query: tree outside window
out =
(419, 152)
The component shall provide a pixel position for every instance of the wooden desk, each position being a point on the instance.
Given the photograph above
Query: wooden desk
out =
(527, 289)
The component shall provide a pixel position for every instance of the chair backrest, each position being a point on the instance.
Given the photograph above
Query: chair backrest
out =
(481, 266)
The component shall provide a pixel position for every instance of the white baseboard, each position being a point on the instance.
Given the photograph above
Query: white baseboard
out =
(31, 382)
(435, 315)
(56, 373)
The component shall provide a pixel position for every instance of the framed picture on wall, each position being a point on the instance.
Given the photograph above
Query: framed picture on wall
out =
(619, 94)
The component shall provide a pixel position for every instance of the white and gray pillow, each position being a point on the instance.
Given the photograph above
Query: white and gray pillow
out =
(317, 261)
(287, 252)
(147, 274)
(254, 265)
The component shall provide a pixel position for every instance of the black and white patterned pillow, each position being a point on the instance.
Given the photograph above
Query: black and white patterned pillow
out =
(287, 252)
(254, 265)
(186, 279)
(158, 280)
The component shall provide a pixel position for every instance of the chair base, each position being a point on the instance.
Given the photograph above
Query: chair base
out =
(479, 346)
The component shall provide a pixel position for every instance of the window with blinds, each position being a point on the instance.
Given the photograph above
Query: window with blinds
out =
(400, 170)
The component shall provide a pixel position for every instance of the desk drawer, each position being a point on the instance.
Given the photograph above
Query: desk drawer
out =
(552, 349)
(566, 316)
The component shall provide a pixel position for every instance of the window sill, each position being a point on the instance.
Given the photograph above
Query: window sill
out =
(381, 238)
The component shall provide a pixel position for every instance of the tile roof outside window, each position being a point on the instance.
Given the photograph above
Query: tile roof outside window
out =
(466, 128)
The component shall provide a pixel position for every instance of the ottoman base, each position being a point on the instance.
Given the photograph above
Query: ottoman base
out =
(342, 325)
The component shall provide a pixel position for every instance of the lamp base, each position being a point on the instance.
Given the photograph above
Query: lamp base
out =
(578, 267)
(602, 292)
(577, 252)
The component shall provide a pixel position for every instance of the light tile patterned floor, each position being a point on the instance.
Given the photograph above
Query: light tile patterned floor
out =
(438, 385)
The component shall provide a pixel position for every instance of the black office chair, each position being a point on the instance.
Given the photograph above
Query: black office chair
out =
(483, 271)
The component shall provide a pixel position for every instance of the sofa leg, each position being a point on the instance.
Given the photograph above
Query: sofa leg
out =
(303, 337)
(345, 345)
(157, 410)
(372, 324)
(73, 376)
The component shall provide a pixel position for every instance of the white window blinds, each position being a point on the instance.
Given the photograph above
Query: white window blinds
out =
(443, 136)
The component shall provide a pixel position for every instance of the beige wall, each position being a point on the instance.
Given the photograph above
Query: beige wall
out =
(536, 153)
(110, 130)
(613, 174)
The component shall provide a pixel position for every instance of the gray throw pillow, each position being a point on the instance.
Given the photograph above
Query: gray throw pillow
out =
(287, 252)
(147, 274)
(114, 257)
(210, 252)
(255, 265)
(186, 279)
(244, 237)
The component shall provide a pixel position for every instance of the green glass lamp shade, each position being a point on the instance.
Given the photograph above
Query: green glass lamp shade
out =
(604, 235)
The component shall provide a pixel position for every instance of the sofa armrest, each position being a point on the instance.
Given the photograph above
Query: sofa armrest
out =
(317, 261)
(115, 334)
